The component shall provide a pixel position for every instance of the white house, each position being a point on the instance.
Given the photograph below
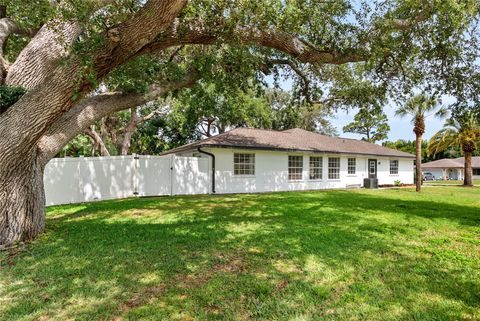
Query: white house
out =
(451, 168)
(246, 160)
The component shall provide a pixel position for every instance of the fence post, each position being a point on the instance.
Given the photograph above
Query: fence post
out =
(135, 174)
(81, 183)
(172, 173)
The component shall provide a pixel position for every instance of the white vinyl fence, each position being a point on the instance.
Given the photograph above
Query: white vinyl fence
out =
(84, 179)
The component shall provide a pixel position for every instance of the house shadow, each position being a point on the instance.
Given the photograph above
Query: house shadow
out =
(278, 256)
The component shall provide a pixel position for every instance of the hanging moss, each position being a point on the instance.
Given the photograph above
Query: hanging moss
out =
(9, 96)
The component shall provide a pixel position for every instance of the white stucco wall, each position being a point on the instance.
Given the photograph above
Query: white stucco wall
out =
(271, 172)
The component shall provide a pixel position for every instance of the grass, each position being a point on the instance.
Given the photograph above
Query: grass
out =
(475, 182)
(326, 255)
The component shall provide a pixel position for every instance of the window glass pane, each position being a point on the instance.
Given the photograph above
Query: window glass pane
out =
(352, 165)
(316, 167)
(334, 168)
(295, 167)
(394, 167)
(243, 164)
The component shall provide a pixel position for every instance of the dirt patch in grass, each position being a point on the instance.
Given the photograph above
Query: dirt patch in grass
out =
(10, 254)
(230, 263)
(139, 299)
(235, 262)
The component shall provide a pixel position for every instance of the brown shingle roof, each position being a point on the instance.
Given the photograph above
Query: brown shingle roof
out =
(291, 140)
(451, 163)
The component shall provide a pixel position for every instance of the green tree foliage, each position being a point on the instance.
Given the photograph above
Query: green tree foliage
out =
(462, 130)
(79, 146)
(418, 108)
(371, 122)
(408, 146)
(9, 96)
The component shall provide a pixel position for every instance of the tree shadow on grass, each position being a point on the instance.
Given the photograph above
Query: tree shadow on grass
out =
(333, 255)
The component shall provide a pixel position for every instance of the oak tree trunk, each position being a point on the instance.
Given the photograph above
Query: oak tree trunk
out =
(418, 163)
(22, 199)
(468, 179)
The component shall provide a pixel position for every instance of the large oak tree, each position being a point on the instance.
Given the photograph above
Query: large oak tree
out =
(76, 60)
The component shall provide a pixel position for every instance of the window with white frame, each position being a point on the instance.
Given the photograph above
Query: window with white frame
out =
(334, 168)
(243, 164)
(352, 166)
(295, 167)
(476, 171)
(316, 167)
(393, 167)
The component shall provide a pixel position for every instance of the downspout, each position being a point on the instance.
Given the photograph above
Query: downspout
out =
(213, 166)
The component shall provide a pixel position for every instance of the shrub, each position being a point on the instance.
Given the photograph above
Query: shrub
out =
(9, 96)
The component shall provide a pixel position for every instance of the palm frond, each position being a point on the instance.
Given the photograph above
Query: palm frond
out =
(442, 140)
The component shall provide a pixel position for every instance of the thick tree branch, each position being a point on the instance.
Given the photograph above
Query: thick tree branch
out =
(8, 27)
(129, 130)
(296, 69)
(306, 82)
(97, 141)
(282, 41)
(300, 49)
(91, 109)
(40, 58)
(125, 40)
(406, 24)
(135, 120)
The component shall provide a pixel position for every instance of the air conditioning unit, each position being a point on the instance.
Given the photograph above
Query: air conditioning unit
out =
(370, 182)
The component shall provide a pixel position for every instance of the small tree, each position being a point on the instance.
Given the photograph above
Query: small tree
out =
(462, 129)
(418, 108)
(370, 122)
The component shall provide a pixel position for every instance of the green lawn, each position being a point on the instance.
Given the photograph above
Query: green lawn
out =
(327, 255)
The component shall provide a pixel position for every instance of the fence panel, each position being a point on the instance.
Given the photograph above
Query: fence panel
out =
(154, 175)
(74, 180)
(105, 178)
(61, 181)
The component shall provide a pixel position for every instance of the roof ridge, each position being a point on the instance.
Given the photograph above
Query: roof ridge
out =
(263, 129)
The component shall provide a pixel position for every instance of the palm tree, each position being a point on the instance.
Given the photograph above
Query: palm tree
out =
(460, 130)
(419, 107)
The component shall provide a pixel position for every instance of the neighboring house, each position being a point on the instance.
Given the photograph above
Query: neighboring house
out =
(451, 168)
(246, 160)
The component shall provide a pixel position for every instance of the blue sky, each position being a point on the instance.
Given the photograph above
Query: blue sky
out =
(400, 128)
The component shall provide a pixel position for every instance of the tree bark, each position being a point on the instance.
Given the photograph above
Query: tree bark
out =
(418, 162)
(98, 143)
(468, 179)
(129, 130)
(22, 200)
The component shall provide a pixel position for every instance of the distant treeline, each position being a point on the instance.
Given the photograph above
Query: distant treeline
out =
(409, 147)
